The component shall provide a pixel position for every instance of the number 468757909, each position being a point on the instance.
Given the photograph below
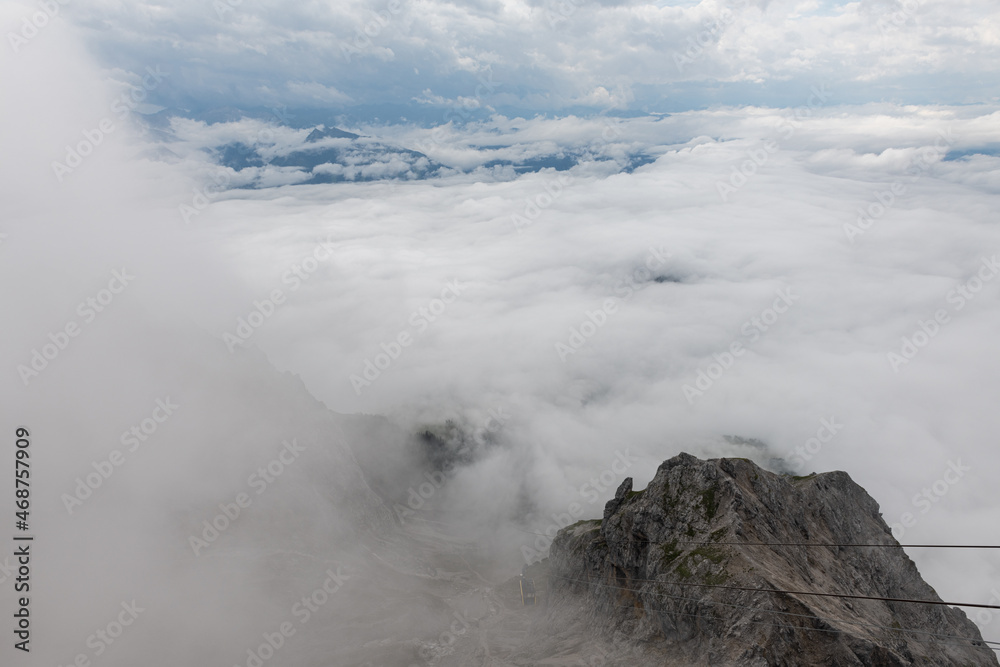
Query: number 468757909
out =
(22, 477)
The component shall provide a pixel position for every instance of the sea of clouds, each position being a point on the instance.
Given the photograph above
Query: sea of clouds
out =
(821, 276)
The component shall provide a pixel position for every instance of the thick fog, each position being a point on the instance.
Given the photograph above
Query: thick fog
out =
(812, 284)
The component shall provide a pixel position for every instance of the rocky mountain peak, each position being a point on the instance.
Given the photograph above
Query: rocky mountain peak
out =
(696, 570)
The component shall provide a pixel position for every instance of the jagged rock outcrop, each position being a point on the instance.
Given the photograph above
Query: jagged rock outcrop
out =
(663, 567)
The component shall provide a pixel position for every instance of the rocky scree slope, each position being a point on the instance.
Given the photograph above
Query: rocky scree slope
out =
(653, 573)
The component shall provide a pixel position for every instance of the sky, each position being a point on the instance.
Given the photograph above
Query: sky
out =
(585, 232)
(547, 57)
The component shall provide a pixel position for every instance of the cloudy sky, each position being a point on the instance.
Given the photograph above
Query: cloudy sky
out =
(624, 227)
(550, 56)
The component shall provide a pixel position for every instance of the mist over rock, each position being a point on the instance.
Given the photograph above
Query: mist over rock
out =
(658, 577)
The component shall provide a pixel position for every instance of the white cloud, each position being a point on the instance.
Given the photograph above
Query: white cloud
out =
(317, 92)
(363, 56)
(397, 244)
(783, 229)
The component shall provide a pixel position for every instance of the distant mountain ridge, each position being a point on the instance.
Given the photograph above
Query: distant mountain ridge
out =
(329, 133)
(329, 154)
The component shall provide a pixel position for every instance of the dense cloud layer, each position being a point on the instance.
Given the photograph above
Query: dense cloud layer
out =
(816, 275)
(856, 224)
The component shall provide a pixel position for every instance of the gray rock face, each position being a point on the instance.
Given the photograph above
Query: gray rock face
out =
(661, 571)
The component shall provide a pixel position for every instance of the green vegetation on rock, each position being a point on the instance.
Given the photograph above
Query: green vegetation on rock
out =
(583, 521)
(800, 478)
(714, 554)
(709, 502)
(670, 552)
(718, 534)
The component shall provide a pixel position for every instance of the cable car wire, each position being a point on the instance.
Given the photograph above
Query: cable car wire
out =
(977, 643)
